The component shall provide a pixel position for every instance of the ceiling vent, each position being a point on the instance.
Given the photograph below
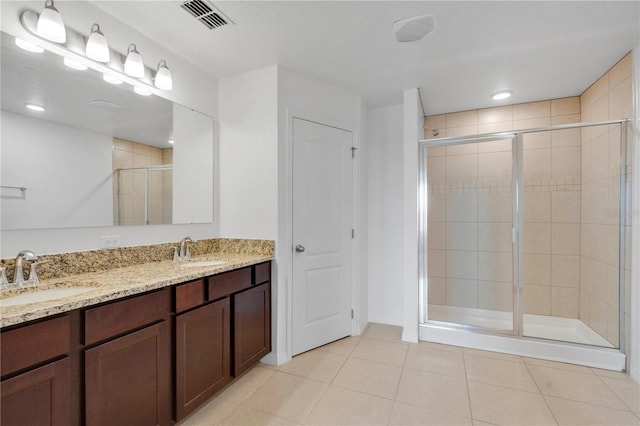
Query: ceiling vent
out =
(206, 13)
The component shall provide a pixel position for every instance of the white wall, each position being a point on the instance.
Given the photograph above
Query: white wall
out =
(385, 205)
(192, 87)
(248, 170)
(67, 173)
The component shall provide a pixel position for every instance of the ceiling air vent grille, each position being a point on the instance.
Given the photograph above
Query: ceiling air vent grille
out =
(205, 13)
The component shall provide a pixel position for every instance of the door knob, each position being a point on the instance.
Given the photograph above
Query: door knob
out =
(299, 248)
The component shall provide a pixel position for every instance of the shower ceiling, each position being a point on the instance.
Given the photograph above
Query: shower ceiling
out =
(540, 50)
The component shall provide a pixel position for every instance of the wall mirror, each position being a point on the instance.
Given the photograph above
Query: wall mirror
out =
(99, 154)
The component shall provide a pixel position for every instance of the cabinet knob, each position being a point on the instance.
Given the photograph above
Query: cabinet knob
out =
(299, 248)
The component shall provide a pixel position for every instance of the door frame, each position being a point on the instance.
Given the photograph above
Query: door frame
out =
(285, 232)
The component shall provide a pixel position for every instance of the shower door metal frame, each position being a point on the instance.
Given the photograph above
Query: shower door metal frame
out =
(517, 137)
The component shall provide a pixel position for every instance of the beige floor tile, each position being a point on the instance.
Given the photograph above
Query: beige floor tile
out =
(249, 416)
(440, 346)
(407, 414)
(341, 347)
(391, 333)
(340, 406)
(380, 351)
(369, 377)
(210, 413)
(502, 406)
(437, 393)
(317, 365)
(559, 365)
(495, 371)
(435, 360)
(575, 386)
(609, 373)
(625, 389)
(288, 396)
(240, 390)
(581, 414)
(490, 354)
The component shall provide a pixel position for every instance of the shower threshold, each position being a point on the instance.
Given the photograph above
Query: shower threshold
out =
(541, 326)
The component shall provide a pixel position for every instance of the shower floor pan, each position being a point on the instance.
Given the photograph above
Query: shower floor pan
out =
(542, 326)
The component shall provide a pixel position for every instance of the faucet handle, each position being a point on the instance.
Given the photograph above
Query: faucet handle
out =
(33, 276)
(176, 255)
(4, 282)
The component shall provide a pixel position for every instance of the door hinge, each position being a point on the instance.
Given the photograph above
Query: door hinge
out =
(353, 233)
(352, 314)
(353, 152)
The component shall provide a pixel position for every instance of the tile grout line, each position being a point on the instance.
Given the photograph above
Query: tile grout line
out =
(544, 398)
(466, 380)
(612, 391)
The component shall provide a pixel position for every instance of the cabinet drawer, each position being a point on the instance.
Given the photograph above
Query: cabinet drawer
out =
(119, 317)
(262, 273)
(189, 295)
(32, 344)
(230, 282)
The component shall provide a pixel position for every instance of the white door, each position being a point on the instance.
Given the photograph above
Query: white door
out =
(322, 234)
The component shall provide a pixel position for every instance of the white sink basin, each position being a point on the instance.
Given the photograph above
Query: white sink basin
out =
(43, 295)
(202, 263)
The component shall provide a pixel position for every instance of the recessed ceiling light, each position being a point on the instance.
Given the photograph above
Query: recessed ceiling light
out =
(75, 65)
(28, 46)
(34, 107)
(501, 95)
(141, 91)
(111, 79)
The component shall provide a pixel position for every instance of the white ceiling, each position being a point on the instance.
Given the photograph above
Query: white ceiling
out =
(538, 49)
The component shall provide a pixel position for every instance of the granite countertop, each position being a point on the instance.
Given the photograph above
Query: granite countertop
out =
(117, 283)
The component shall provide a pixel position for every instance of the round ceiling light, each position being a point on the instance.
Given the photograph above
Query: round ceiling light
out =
(501, 95)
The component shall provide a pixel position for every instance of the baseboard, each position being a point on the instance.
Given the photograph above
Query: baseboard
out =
(273, 358)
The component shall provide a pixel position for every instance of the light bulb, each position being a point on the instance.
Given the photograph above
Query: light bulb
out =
(97, 47)
(50, 25)
(28, 46)
(163, 78)
(111, 79)
(140, 91)
(133, 65)
(75, 65)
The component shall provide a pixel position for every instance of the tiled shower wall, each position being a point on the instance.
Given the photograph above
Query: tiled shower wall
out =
(610, 97)
(129, 207)
(470, 260)
(570, 214)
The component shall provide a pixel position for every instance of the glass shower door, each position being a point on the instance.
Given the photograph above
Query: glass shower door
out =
(467, 214)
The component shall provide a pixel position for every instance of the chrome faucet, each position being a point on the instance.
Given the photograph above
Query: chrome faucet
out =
(184, 248)
(18, 277)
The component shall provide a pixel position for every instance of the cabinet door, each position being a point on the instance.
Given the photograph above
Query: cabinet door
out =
(203, 352)
(252, 326)
(38, 397)
(127, 379)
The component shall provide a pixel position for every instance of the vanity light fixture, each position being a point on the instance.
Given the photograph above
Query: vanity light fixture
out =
(50, 25)
(75, 65)
(34, 107)
(97, 47)
(28, 46)
(163, 77)
(140, 91)
(111, 79)
(133, 65)
(501, 95)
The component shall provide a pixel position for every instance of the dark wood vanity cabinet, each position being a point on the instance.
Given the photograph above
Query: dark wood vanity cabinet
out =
(127, 377)
(251, 326)
(147, 359)
(36, 377)
(203, 354)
